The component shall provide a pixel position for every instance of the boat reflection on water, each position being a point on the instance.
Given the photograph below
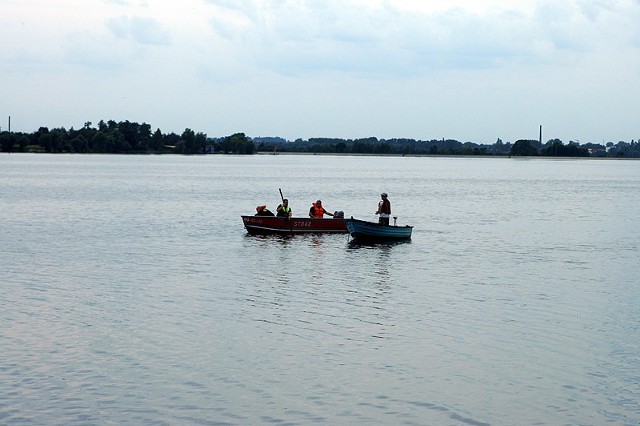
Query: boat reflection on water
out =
(359, 243)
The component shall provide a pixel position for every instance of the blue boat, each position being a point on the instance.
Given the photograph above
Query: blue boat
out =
(362, 230)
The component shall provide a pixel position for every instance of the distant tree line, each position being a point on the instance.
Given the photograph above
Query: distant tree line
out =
(122, 137)
(127, 137)
(522, 147)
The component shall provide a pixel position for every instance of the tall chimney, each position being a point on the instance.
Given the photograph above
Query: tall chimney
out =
(541, 135)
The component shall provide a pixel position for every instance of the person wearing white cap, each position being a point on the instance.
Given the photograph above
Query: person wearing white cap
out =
(384, 209)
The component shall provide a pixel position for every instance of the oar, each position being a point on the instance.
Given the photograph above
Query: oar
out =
(282, 198)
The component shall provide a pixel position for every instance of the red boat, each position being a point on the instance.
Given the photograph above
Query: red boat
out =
(261, 225)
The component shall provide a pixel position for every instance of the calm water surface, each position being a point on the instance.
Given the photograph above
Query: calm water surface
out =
(130, 292)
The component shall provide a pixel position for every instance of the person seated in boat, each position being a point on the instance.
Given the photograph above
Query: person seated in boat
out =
(384, 209)
(263, 211)
(283, 209)
(317, 211)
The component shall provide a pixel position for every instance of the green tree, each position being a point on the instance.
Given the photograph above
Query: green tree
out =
(523, 147)
(557, 149)
(362, 147)
(193, 144)
(180, 147)
(144, 137)
(189, 139)
(44, 140)
(238, 143)
(58, 139)
(79, 144)
(171, 140)
(116, 143)
(99, 143)
(129, 132)
(157, 141)
(6, 141)
(201, 142)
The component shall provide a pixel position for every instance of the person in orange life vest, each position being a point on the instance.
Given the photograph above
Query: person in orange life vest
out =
(317, 211)
(384, 209)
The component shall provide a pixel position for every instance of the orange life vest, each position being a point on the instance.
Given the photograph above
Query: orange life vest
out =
(318, 210)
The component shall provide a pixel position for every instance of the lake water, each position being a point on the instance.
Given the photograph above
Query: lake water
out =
(131, 293)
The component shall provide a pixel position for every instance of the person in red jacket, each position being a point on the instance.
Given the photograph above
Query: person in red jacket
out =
(317, 211)
(263, 211)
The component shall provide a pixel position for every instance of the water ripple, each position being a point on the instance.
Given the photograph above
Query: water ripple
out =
(131, 293)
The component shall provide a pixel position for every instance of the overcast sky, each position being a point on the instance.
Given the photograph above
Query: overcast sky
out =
(470, 70)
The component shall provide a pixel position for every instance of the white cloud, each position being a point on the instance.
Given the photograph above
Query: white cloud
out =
(299, 37)
(139, 29)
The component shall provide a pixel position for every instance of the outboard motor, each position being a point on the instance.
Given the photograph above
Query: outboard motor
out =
(338, 214)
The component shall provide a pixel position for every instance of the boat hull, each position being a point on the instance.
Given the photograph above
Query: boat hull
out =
(374, 232)
(265, 225)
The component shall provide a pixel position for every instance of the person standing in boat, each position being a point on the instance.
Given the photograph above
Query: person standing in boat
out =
(317, 211)
(384, 209)
(283, 209)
